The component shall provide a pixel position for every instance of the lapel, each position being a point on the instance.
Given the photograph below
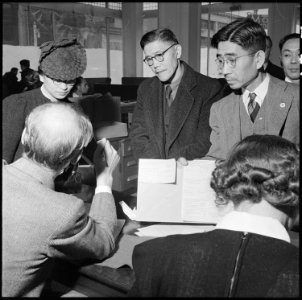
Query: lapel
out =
(279, 103)
(154, 111)
(182, 104)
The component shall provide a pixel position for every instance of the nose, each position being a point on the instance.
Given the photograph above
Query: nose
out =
(294, 58)
(156, 63)
(226, 68)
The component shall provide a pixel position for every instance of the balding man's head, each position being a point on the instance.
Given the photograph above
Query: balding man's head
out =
(55, 133)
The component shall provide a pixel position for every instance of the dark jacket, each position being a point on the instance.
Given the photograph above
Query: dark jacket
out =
(189, 129)
(202, 265)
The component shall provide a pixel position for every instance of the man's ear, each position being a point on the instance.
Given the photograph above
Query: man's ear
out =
(281, 61)
(260, 58)
(24, 135)
(178, 51)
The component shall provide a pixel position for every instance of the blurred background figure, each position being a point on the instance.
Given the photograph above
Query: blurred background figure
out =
(32, 80)
(289, 55)
(10, 83)
(268, 66)
(25, 69)
(80, 88)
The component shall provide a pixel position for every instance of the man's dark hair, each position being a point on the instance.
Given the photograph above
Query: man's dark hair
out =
(245, 32)
(25, 63)
(14, 69)
(286, 38)
(162, 34)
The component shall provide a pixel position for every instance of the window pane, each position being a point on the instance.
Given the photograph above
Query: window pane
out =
(116, 50)
(10, 24)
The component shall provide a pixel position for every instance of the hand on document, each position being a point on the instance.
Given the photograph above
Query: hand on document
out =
(181, 161)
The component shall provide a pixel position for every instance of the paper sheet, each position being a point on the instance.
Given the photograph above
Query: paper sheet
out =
(160, 230)
(197, 195)
(157, 170)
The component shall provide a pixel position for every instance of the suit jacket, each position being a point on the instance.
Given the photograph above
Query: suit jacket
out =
(282, 120)
(275, 70)
(39, 224)
(189, 129)
(202, 265)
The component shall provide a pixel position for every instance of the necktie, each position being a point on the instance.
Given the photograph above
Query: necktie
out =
(253, 106)
(168, 95)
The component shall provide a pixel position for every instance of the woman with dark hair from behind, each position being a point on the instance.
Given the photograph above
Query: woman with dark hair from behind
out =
(249, 253)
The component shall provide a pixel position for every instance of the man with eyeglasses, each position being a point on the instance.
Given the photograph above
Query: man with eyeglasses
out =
(260, 103)
(60, 63)
(171, 117)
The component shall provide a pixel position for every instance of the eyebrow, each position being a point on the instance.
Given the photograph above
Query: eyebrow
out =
(227, 54)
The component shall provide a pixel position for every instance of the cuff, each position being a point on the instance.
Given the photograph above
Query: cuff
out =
(103, 189)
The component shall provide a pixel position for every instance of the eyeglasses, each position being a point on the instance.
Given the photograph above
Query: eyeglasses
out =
(220, 61)
(159, 57)
(59, 82)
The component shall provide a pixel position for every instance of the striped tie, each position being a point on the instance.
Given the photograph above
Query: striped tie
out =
(253, 106)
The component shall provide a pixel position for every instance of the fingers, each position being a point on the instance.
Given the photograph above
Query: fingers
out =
(182, 161)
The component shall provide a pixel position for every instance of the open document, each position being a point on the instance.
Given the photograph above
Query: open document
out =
(187, 199)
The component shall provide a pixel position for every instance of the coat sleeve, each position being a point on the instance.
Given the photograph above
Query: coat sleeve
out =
(13, 114)
(216, 149)
(82, 236)
(142, 143)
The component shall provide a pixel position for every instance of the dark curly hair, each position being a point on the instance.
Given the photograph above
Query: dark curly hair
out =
(260, 166)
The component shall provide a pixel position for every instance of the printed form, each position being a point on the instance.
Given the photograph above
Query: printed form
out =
(197, 195)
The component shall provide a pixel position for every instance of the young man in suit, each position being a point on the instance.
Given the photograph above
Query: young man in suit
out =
(40, 224)
(260, 103)
(289, 47)
(171, 117)
(248, 254)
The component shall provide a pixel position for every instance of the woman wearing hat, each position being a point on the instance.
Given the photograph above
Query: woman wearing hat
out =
(60, 63)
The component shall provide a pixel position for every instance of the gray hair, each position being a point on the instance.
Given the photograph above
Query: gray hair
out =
(55, 133)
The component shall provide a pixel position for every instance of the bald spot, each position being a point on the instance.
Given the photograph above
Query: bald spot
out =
(58, 121)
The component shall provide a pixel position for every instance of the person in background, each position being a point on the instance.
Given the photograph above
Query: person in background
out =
(32, 80)
(39, 224)
(259, 103)
(25, 70)
(10, 83)
(289, 47)
(60, 63)
(248, 254)
(80, 88)
(171, 116)
(268, 66)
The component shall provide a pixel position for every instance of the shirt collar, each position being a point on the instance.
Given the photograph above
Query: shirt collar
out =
(246, 222)
(261, 91)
